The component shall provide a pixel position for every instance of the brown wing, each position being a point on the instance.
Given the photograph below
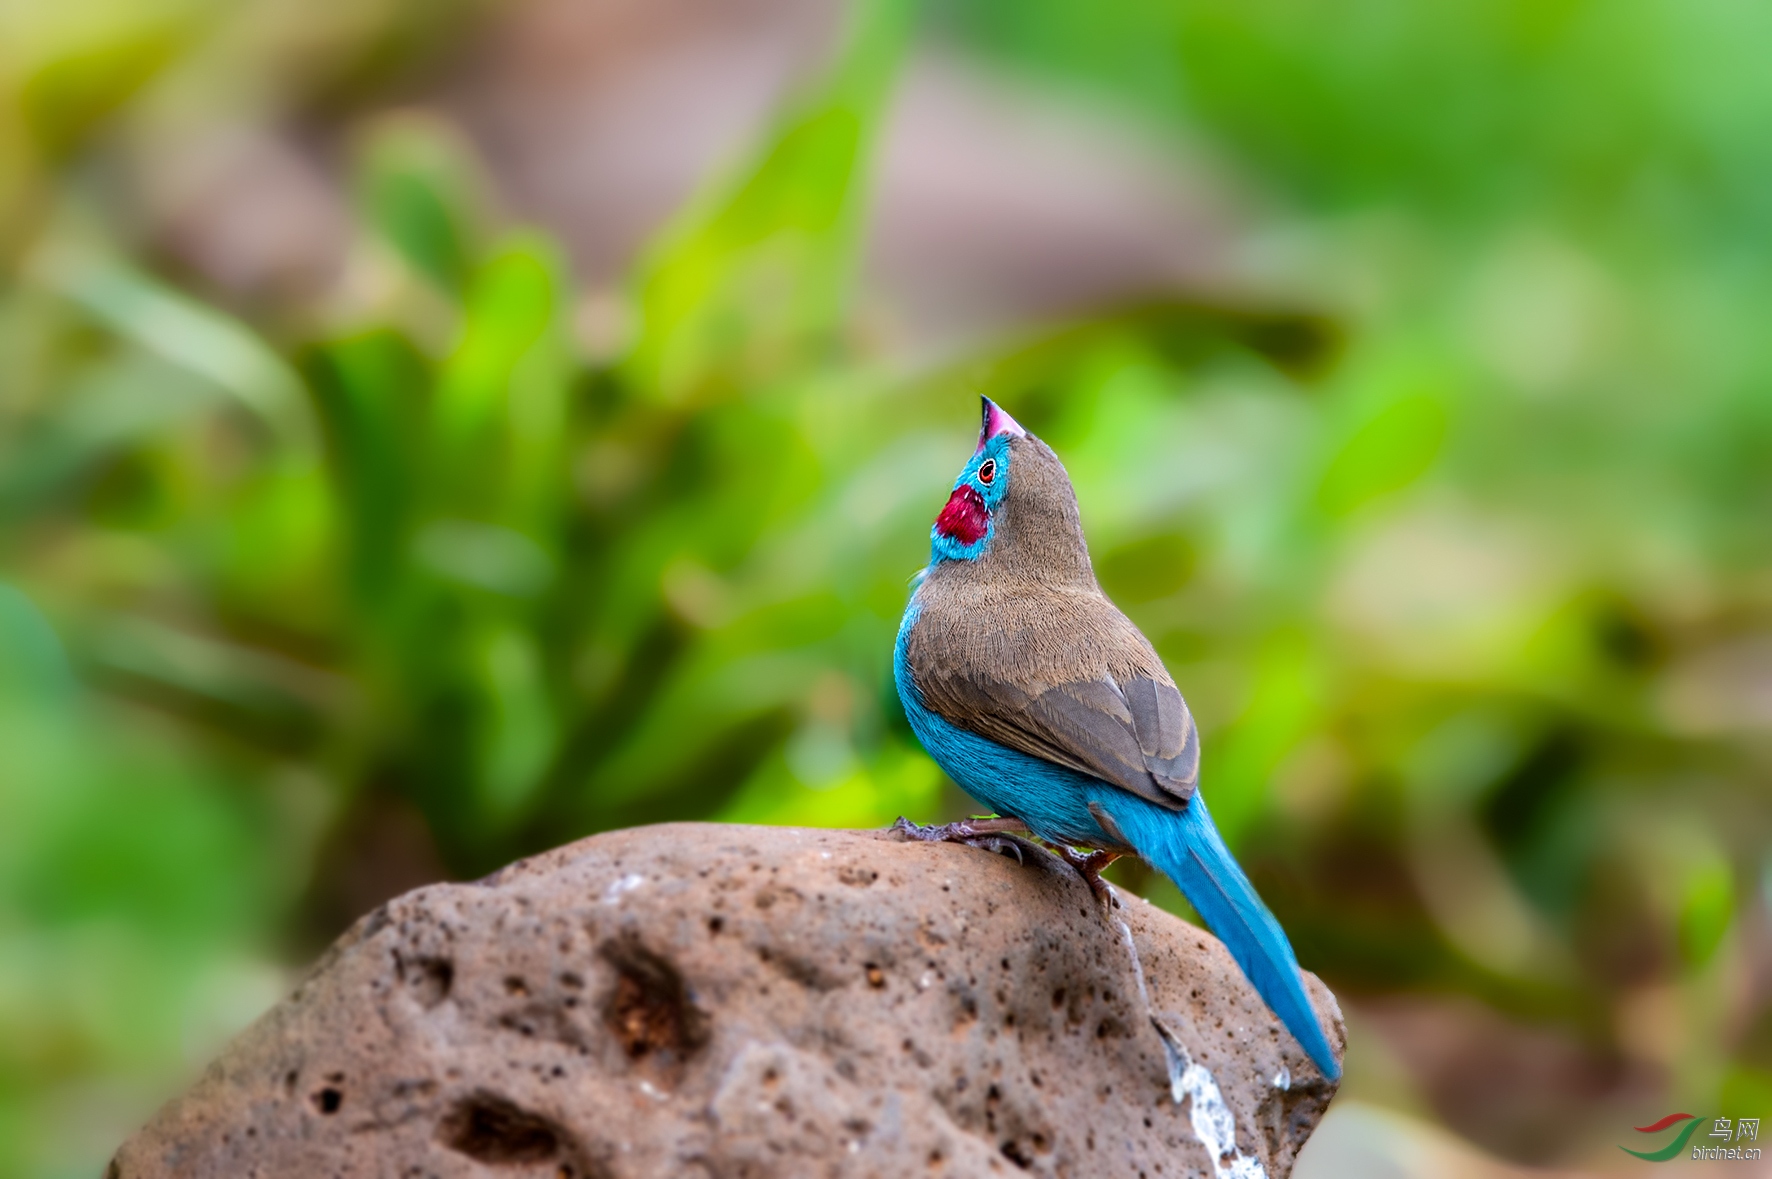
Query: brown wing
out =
(1132, 729)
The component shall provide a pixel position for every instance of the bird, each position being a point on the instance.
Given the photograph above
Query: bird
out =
(1050, 708)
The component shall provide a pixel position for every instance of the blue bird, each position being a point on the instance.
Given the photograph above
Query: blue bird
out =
(1049, 707)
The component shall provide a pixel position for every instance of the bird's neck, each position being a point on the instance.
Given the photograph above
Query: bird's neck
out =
(1010, 567)
(1047, 551)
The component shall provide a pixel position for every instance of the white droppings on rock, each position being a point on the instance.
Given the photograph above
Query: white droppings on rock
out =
(1214, 1124)
(628, 883)
(1144, 995)
(1212, 1120)
(1283, 1078)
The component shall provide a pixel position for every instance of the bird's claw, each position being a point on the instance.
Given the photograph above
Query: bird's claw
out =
(1003, 845)
(1089, 866)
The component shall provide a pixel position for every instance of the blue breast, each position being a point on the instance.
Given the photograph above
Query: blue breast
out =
(1051, 799)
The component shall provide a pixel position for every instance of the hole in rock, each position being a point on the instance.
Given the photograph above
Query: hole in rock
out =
(649, 1011)
(494, 1130)
(430, 979)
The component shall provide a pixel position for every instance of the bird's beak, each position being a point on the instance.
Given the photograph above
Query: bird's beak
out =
(996, 422)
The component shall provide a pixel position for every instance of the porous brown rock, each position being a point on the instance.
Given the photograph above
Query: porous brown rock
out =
(714, 1001)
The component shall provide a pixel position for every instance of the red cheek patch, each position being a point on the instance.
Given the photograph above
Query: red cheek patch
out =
(964, 518)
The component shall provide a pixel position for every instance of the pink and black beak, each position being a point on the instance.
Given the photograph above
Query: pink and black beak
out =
(996, 422)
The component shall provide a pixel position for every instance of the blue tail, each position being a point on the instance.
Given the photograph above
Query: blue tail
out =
(1187, 848)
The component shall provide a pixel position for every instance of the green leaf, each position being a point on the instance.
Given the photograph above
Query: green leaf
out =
(1387, 452)
(501, 394)
(90, 67)
(1285, 705)
(184, 332)
(419, 188)
(756, 270)
(104, 406)
(1706, 910)
(33, 666)
(519, 733)
(369, 388)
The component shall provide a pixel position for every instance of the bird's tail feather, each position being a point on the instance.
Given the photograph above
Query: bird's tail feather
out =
(1187, 848)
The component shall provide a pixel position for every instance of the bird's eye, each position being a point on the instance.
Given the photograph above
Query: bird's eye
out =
(987, 471)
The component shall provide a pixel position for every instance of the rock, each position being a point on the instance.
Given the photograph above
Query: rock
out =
(704, 1000)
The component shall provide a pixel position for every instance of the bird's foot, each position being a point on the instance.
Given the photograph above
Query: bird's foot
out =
(1089, 866)
(992, 835)
(957, 832)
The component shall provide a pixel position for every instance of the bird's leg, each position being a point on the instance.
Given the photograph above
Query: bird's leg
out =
(1089, 866)
(990, 834)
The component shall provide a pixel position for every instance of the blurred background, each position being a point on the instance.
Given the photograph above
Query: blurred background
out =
(431, 432)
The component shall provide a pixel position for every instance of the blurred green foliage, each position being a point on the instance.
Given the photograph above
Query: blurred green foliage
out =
(1463, 570)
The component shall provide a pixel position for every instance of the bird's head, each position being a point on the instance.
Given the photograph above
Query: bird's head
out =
(1014, 504)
